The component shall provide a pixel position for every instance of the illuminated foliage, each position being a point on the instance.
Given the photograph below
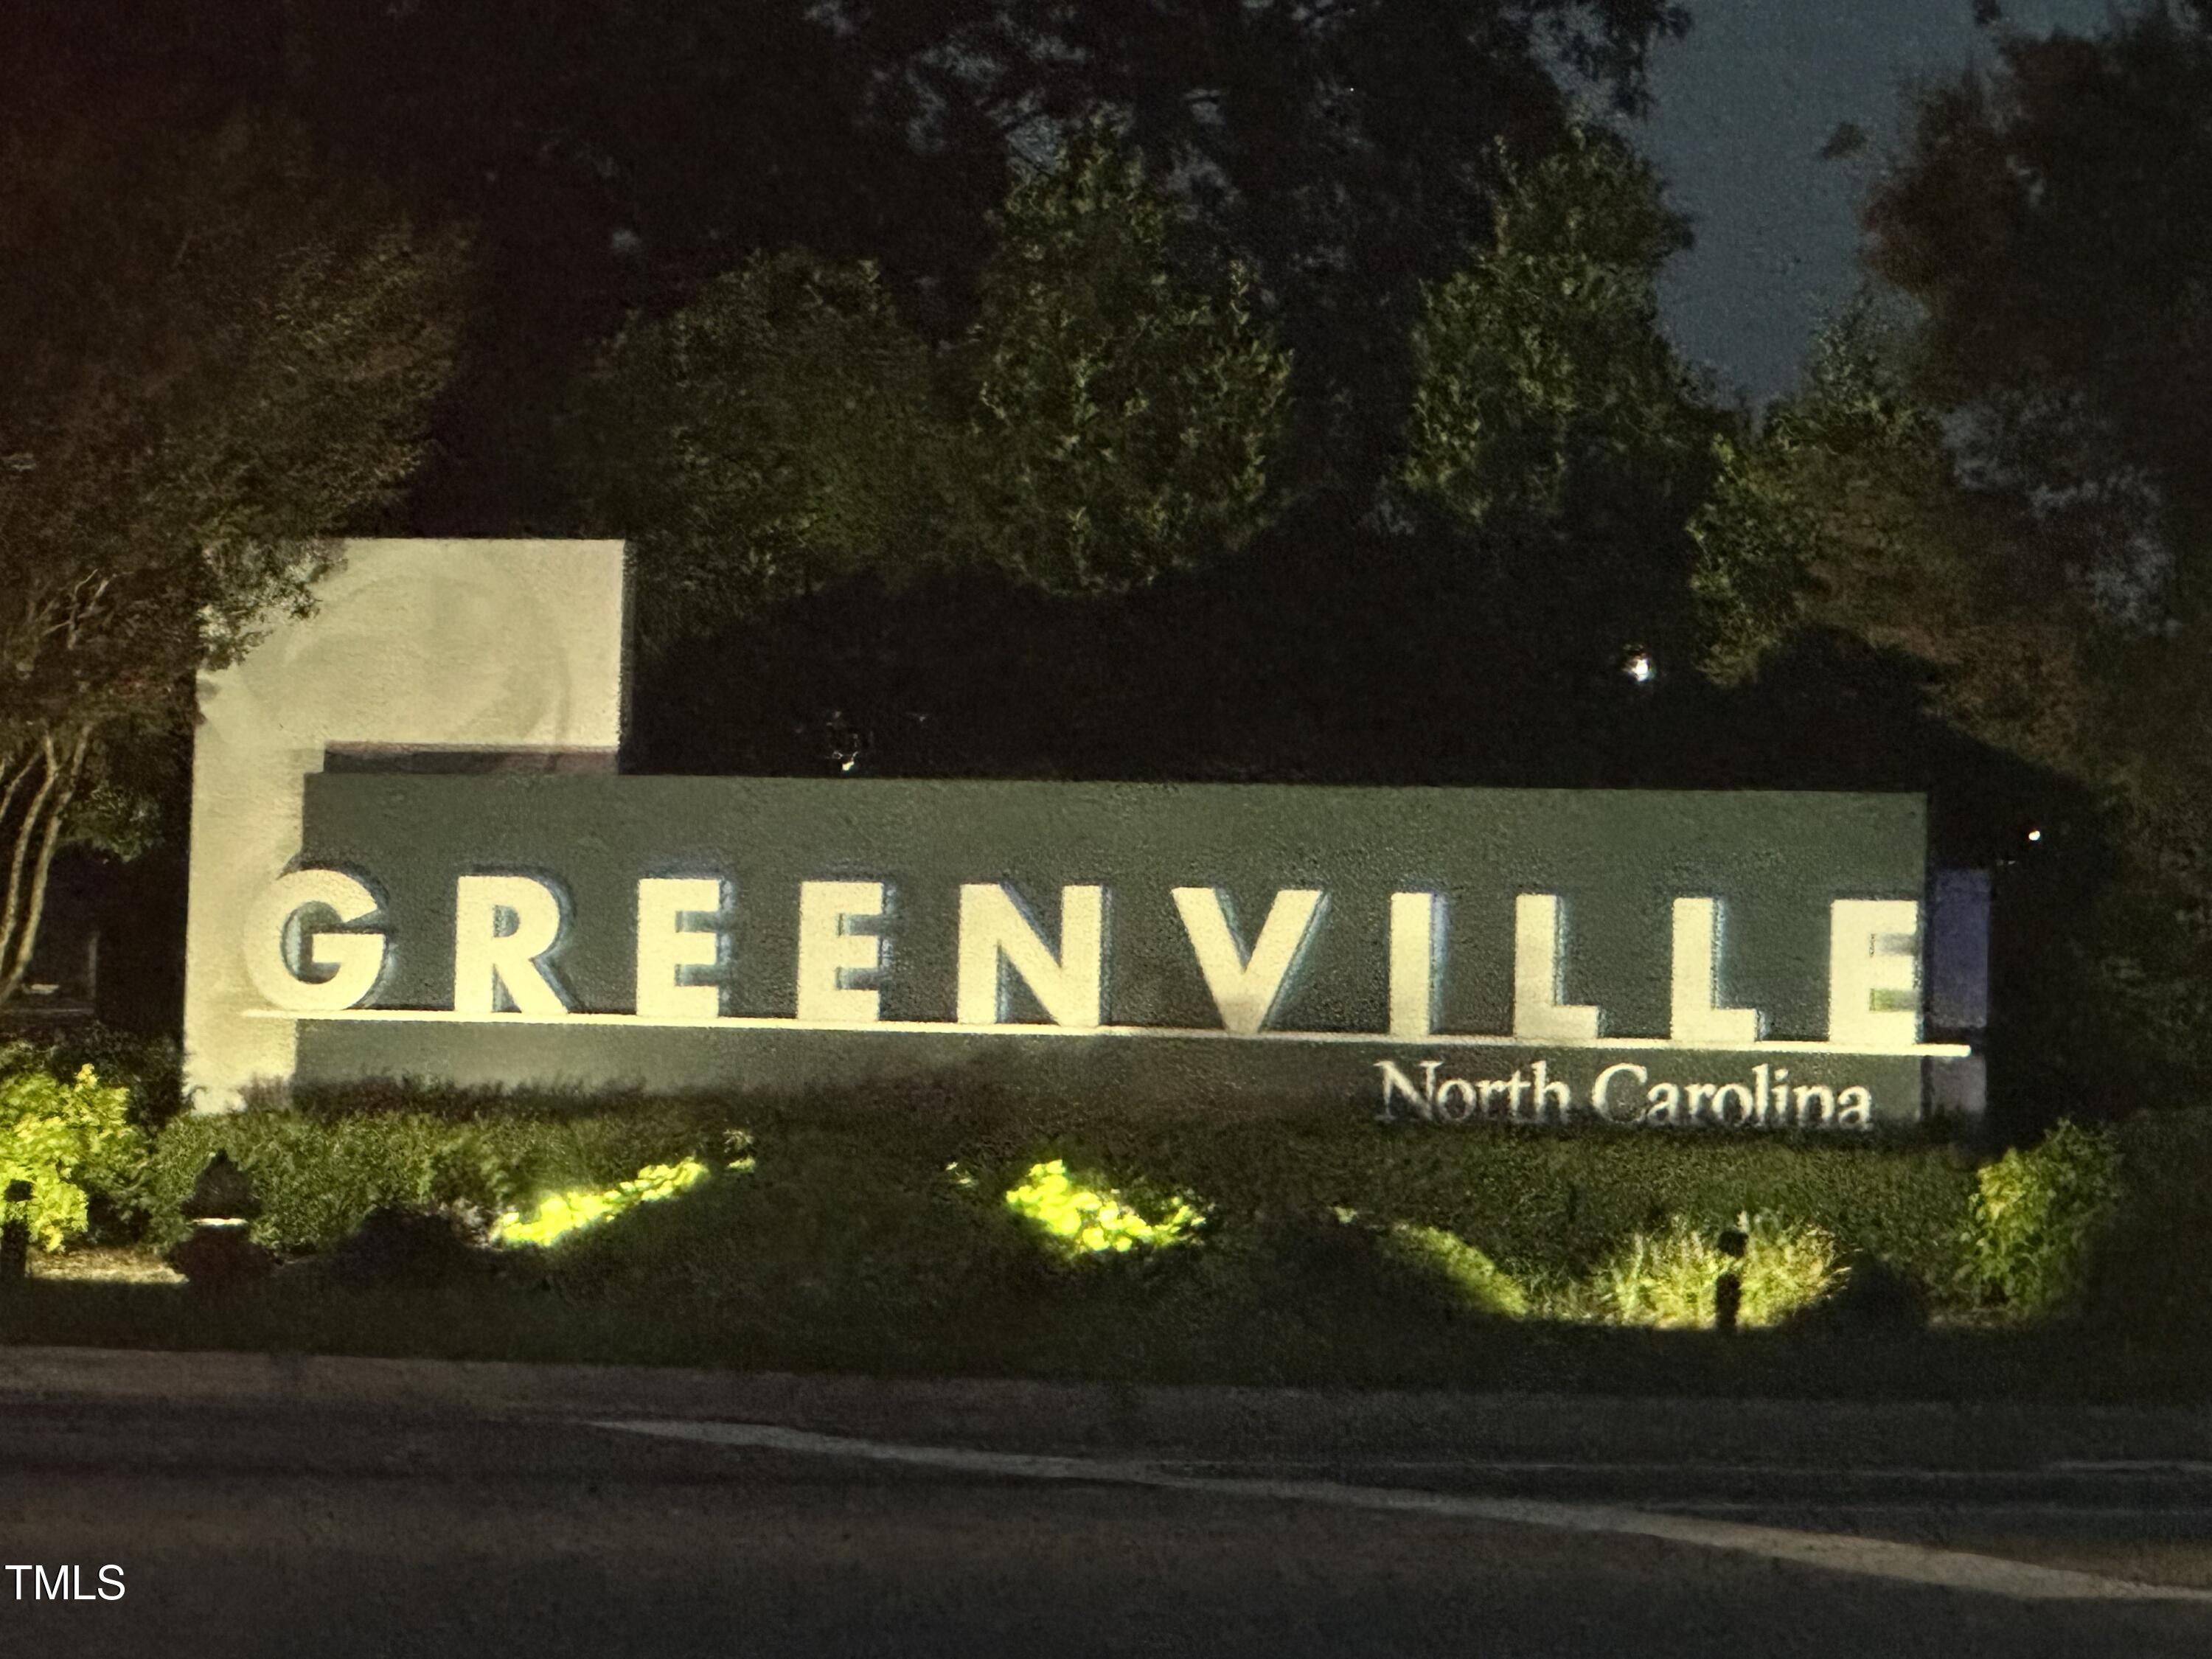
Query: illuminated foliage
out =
(773, 435)
(1474, 1277)
(1541, 373)
(2035, 1213)
(1550, 413)
(1122, 414)
(1666, 1278)
(559, 1215)
(1080, 1220)
(317, 1176)
(1106, 419)
(64, 1138)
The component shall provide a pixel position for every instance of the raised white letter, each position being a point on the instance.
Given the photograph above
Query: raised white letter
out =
(489, 958)
(995, 934)
(1540, 976)
(1874, 952)
(1396, 1083)
(665, 946)
(1246, 991)
(1698, 1016)
(1604, 1081)
(1415, 961)
(358, 958)
(827, 952)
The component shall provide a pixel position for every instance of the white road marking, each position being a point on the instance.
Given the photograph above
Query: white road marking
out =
(1824, 1472)
(1880, 1558)
(1946, 1509)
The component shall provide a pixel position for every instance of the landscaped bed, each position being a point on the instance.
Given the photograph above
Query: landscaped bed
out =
(942, 1232)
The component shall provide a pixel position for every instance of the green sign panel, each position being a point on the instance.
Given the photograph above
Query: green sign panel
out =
(1703, 961)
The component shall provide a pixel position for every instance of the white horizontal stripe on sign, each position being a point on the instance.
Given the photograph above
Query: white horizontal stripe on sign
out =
(948, 1028)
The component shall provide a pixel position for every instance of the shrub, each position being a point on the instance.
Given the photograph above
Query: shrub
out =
(557, 1215)
(395, 1246)
(1666, 1277)
(2149, 1271)
(1473, 1278)
(2034, 1215)
(68, 1140)
(1077, 1219)
(319, 1177)
(150, 1067)
(1533, 1201)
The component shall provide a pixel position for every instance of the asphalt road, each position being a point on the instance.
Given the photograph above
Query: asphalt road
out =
(331, 1525)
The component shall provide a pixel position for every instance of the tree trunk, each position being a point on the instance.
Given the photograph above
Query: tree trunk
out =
(32, 837)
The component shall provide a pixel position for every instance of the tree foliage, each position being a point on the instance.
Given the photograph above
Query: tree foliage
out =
(1120, 418)
(69, 1139)
(2051, 220)
(1107, 419)
(1542, 375)
(620, 153)
(2010, 483)
(1549, 411)
(2005, 483)
(211, 359)
(1847, 509)
(1347, 152)
(777, 432)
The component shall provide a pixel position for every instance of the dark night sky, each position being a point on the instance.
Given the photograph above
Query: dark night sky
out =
(1743, 104)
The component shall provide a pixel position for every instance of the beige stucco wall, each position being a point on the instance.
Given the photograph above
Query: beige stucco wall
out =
(477, 645)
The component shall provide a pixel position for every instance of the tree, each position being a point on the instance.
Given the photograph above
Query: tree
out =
(1120, 418)
(1847, 509)
(611, 156)
(212, 360)
(775, 434)
(2006, 482)
(1549, 412)
(2050, 221)
(1105, 420)
(1347, 151)
(2010, 483)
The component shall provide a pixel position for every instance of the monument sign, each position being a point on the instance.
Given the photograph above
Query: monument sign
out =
(494, 904)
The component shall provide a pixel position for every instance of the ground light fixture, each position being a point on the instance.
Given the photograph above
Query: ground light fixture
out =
(220, 1253)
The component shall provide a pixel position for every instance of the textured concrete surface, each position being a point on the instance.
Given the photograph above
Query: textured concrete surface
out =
(252, 1506)
(1053, 1416)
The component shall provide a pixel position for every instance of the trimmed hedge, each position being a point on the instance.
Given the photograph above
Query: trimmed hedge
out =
(1537, 1202)
(1534, 1202)
(2149, 1271)
(316, 1177)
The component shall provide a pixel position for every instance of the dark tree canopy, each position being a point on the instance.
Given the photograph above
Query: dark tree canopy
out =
(2052, 221)
(1551, 416)
(1348, 151)
(212, 360)
(1106, 419)
(617, 152)
(1994, 470)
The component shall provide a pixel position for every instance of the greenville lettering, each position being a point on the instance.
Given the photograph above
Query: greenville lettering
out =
(508, 927)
